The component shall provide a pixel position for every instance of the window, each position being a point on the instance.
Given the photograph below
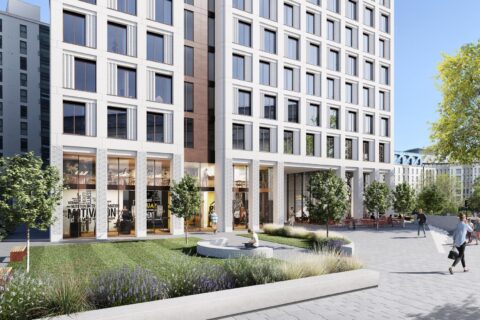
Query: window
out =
(349, 93)
(382, 48)
(85, 75)
(368, 70)
(117, 38)
(292, 112)
(352, 9)
(288, 142)
(366, 151)
(313, 54)
(189, 58)
(349, 149)
(238, 136)
(265, 73)
(369, 124)
(288, 14)
(188, 133)
(311, 23)
(367, 43)
(127, 6)
(24, 145)
(367, 97)
(265, 139)
(23, 63)
(310, 140)
(334, 5)
(330, 147)
(23, 47)
(163, 11)
(127, 82)
(292, 48)
(23, 95)
(244, 34)
(368, 17)
(188, 93)
(381, 152)
(155, 47)
(384, 100)
(244, 102)
(333, 60)
(238, 67)
(384, 23)
(117, 123)
(239, 4)
(349, 37)
(313, 115)
(163, 89)
(331, 30)
(333, 118)
(23, 112)
(352, 65)
(384, 127)
(265, 9)
(188, 25)
(352, 121)
(90, 1)
(155, 127)
(270, 107)
(190, 2)
(288, 78)
(269, 41)
(73, 118)
(23, 31)
(310, 84)
(332, 89)
(384, 75)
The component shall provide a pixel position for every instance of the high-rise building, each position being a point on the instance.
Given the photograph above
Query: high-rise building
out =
(24, 81)
(248, 96)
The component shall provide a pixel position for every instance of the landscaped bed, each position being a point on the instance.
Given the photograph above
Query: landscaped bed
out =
(73, 278)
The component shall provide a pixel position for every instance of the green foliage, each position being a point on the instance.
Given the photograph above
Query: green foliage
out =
(432, 200)
(377, 197)
(456, 134)
(440, 196)
(474, 200)
(249, 272)
(185, 200)
(328, 197)
(67, 295)
(403, 198)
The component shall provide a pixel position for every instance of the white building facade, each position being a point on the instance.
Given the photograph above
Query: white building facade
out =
(300, 86)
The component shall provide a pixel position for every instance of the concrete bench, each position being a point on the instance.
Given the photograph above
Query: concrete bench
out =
(217, 248)
(18, 253)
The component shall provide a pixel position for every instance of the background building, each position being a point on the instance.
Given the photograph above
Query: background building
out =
(248, 96)
(24, 81)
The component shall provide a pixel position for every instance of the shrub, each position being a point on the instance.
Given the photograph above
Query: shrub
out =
(125, 286)
(67, 295)
(253, 271)
(23, 298)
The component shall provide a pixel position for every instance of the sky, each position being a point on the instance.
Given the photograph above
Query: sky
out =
(424, 30)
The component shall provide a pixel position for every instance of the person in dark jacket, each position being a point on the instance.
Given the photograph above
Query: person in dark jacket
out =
(422, 219)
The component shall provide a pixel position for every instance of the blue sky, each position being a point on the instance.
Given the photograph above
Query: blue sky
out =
(424, 30)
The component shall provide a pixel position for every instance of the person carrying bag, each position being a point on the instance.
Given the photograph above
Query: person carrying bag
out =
(460, 242)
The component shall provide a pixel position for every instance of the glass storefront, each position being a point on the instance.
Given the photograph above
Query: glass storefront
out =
(266, 195)
(79, 198)
(205, 174)
(121, 197)
(240, 197)
(297, 195)
(158, 193)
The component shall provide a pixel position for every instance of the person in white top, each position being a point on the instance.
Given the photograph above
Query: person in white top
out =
(460, 241)
(253, 243)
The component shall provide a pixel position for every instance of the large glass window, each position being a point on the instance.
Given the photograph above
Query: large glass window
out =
(240, 197)
(244, 33)
(292, 111)
(334, 119)
(244, 102)
(73, 28)
(349, 149)
(117, 123)
(292, 46)
(310, 23)
(79, 196)
(155, 127)
(163, 11)
(127, 6)
(314, 115)
(163, 89)
(265, 139)
(330, 147)
(265, 9)
(310, 84)
(310, 141)
(117, 38)
(314, 54)
(270, 41)
(238, 4)
(266, 195)
(270, 107)
(189, 64)
(158, 186)
(188, 21)
(188, 93)
(85, 75)
(127, 82)
(288, 78)
(121, 197)
(188, 133)
(288, 14)
(155, 47)
(73, 118)
(238, 136)
(265, 73)
(238, 67)
(288, 142)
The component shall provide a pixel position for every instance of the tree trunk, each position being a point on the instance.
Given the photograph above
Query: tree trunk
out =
(28, 249)
(378, 217)
(327, 227)
(185, 230)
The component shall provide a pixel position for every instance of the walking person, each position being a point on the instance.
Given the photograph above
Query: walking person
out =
(422, 219)
(214, 220)
(460, 241)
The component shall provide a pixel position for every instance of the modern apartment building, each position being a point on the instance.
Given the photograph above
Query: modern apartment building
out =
(24, 81)
(250, 96)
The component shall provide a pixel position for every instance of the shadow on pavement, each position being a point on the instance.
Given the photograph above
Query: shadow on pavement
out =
(422, 272)
(412, 237)
(467, 311)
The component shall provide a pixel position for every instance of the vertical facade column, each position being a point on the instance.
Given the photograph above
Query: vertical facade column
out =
(223, 194)
(56, 229)
(176, 224)
(102, 189)
(358, 193)
(279, 194)
(141, 195)
(254, 196)
(341, 173)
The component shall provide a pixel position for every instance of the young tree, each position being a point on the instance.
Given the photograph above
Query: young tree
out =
(474, 200)
(403, 198)
(456, 134)
(186, 200)
(377, 198)
(432, 200)
(28, 193)
(328, 197)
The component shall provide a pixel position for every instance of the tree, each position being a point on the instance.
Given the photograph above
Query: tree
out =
(377, 198)
(474, 200)
(403, 198)
(328, 197)
(432, 200)
(449, 185)
(186, 200)
(28, 194)
(456, 134)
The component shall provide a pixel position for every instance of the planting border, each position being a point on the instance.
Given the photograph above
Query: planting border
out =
(236, 301)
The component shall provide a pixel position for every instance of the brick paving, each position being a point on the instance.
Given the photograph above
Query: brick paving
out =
(414, 282)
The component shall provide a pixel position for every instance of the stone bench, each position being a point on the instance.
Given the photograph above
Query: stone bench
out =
(217, 248)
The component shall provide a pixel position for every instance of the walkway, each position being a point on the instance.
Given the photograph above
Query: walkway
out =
(414, 284)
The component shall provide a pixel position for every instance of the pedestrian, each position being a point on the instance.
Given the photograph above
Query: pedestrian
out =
(422, 219)
(477, 230)
(214, 220)
(460, 241)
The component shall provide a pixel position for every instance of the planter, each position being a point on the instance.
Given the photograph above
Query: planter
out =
(235, 301)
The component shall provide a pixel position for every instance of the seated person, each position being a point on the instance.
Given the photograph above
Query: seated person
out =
(390, 219)
(253, 243)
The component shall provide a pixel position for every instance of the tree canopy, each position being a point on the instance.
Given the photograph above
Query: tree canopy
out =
(403, 198)
(432, 200)
(377, 197)
(456, 134)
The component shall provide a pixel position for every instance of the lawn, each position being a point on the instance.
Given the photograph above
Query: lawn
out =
(294, 242)
(84, 260)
